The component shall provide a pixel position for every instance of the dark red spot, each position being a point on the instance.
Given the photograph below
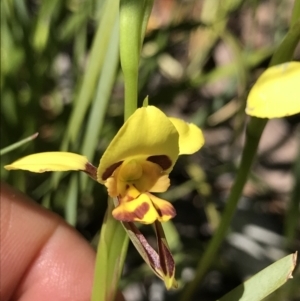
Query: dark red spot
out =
(162, 160)
(109, 171)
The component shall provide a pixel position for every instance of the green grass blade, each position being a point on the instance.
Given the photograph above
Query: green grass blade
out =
(47, 12)
(12, 147)
(94, 67)
(293, 214)
(99, 106)
(249, 61)
(287, 47)
(265, 282)
(148, 4)
(105, 85)
(285, 51)
(111, 253)
(71, 200)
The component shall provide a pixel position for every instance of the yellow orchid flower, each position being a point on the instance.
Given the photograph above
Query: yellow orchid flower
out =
(136, 163)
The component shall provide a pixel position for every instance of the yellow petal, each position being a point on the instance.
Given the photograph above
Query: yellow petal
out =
(111, 185)
(148, 132)
(140, 210)
(191, 138)
(165, 209)
(130, 171)
(151, 172)
(50, 161)
(161, 185)
(276, 93)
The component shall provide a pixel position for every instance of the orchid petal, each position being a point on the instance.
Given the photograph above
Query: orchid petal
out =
(148, 132)
(159, 264)
(191, 138)
(139, 209)
(111, 185)
(165, 209)
(276, 93)
(161, 185)
(166, 259)
(50, 161)
(150, 177)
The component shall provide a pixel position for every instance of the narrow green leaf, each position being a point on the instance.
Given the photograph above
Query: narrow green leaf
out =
(285, 51)
(71, 25)
(17, 144)
(148, 4)
(249, 61)
(117, 241)
(171, 232)
(111, 252)
(265, 282)
(101, 267)
(48, 10)
(102, 97)
(292, 216)
(95, 63)
(80, 43)
(71, 200)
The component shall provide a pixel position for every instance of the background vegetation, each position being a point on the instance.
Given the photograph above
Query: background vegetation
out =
(60, 76)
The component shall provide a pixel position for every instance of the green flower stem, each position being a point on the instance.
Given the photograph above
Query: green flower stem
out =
(130, 39)
(255, 128)
(296, 13)
(113, 242)
(285, 51)
(134, 15)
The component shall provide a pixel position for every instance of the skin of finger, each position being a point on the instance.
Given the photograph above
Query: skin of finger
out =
(42, 258)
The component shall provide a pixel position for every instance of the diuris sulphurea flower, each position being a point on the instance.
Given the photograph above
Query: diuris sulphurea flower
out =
(135, 165)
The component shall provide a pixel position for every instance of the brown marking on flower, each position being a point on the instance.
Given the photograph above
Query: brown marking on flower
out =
(166, 211)
(167, 260)
(149, 254)
(127, 216)
(162, 160)
(165, 256)
(91, 170)
(110, 170)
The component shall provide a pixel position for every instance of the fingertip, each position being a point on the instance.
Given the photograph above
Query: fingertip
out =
(42, 257)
